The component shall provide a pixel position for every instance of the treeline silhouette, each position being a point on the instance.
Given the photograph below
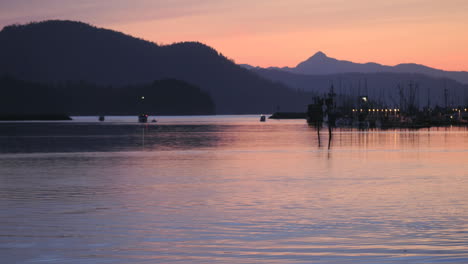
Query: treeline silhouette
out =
(57, 51)
(161, 97)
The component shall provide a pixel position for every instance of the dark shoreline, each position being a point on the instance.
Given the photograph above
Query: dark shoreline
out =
(288, 115)
(44, 117)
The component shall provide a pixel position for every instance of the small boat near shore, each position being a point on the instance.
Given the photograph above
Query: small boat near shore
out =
(143, 118)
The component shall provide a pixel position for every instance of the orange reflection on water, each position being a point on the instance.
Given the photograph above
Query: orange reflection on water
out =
(373, 193)
(245, 192)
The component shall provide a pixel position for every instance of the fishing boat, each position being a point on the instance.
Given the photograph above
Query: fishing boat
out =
(143, 118)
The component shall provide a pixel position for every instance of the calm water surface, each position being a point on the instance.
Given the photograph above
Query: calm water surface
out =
(229, 189)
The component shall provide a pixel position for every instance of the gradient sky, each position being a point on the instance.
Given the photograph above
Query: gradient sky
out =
(279, 33)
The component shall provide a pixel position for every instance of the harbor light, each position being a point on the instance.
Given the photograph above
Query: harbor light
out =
(142, 98)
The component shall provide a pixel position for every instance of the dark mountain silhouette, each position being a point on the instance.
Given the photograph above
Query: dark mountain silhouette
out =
(60, 51)
(162, 97)
(320, 63)
(382, 86)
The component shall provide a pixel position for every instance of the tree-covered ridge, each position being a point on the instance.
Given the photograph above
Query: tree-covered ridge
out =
(57, 51)
(161, 97)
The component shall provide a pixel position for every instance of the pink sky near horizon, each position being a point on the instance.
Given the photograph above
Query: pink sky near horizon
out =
(280, 33)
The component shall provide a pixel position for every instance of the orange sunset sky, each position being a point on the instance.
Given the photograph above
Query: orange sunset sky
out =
(279, 33)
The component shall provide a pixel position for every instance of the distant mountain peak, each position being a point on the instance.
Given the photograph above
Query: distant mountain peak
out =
(319, 55)
(318, 58)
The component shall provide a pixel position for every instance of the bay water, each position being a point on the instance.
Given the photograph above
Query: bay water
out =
(230, 189)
